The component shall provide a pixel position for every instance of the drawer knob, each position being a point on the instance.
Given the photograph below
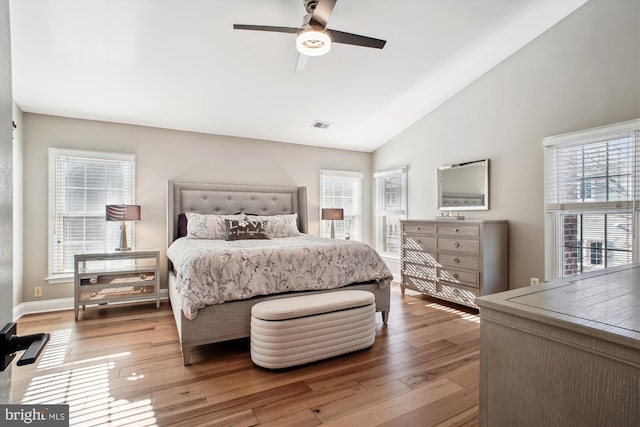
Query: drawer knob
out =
(456, 244)
(456, 260)
(419, 241)
(456, 230)
(455, 276)
(417, 228)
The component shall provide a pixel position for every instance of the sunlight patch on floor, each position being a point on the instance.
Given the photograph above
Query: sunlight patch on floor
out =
(84, 386)
(463, 314)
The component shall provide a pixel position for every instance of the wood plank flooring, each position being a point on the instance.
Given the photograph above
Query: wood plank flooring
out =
(122, 366)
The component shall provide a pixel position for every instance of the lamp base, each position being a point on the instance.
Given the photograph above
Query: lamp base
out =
(123, 239)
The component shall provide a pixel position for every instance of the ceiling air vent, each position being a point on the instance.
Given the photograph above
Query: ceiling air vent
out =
(321, 125)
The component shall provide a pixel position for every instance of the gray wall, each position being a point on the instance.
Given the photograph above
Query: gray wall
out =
(6, 188)
(18, 207)
(583, 72)
(166, 155)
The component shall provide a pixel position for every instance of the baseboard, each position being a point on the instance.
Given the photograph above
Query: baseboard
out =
(50, 305)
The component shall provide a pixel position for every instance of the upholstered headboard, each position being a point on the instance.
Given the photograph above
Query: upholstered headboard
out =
(225, 199)
(456, 200)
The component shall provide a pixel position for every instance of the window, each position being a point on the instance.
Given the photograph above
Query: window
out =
(81, 184)
(591, 199)
(391, 207)
(342, 189)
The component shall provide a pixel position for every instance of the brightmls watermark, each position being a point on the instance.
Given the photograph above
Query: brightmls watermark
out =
(34, 415)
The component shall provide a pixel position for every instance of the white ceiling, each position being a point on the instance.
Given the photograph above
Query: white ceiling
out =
(178, 64)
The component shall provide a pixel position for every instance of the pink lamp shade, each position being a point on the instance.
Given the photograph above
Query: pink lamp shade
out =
(123, 213)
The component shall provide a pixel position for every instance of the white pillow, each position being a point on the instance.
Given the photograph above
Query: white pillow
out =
(278, 225)
(201, 226)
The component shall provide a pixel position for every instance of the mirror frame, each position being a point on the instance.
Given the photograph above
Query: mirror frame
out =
(464, 197)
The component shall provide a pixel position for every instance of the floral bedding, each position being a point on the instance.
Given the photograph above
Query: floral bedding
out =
(214, 271)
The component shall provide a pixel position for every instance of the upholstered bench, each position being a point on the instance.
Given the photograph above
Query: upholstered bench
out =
(293, 331)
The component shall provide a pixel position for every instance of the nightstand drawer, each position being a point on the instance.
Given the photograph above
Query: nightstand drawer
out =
(464, 245)
(459, 260)
(419, 228)
(93, 296)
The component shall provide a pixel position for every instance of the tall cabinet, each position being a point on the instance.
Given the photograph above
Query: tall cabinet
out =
(455, 260)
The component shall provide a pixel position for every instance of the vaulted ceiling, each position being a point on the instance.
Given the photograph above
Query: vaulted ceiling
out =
(179, 64)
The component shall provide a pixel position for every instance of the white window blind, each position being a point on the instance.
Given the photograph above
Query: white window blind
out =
(81, 184)
(592, 180)
(342, 189)
(391, 207)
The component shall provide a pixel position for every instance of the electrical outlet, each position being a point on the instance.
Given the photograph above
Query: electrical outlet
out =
(37, 292)
(535, 281)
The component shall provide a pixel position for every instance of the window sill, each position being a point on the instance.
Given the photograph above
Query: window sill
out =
(386, 256)
(60, 278)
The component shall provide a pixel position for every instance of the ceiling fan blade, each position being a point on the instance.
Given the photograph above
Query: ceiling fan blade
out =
(290, 30)
(321, 14)
(302, 62)
(355, 39)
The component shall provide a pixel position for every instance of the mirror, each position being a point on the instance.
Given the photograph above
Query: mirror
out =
(464, 186)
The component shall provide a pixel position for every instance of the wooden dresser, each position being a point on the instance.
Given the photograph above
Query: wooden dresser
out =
(564, 353)
(456, 260)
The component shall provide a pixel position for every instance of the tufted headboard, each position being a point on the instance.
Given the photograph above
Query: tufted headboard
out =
(231, 198)
(456, 200)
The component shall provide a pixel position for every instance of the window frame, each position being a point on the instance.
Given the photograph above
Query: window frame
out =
(53, 275)
(380, 213)
(357, 205)
(553, 226)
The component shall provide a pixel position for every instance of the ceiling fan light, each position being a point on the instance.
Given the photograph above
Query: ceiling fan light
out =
(313, 43)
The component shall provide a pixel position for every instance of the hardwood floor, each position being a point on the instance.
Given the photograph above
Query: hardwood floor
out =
(122, 366)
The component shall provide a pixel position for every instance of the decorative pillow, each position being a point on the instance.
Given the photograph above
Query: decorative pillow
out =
(280, 225)
(200, 226)
(182, 225)
(245, 229)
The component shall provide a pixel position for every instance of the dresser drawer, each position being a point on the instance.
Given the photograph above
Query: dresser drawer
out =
(468, 278)
(462, 294)
(419, 228)
(421, 285)
(453, 244)
(420, 271)
(462, 230)
(419, 257)
(459, 260)
(416, 241)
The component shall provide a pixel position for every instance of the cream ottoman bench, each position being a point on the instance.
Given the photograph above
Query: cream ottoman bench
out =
(293, 331)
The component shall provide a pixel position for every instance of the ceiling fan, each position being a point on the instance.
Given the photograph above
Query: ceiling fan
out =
(314, 38)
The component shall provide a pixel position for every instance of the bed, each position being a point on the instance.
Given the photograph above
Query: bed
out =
(231, 319)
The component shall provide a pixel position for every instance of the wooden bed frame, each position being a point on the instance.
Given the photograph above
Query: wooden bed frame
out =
(231, 320)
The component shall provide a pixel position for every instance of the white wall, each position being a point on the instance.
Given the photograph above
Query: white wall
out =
(583, 72)
(166, 155)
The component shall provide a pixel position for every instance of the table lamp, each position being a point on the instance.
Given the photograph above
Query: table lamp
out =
(123, 213)
(332, 214)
